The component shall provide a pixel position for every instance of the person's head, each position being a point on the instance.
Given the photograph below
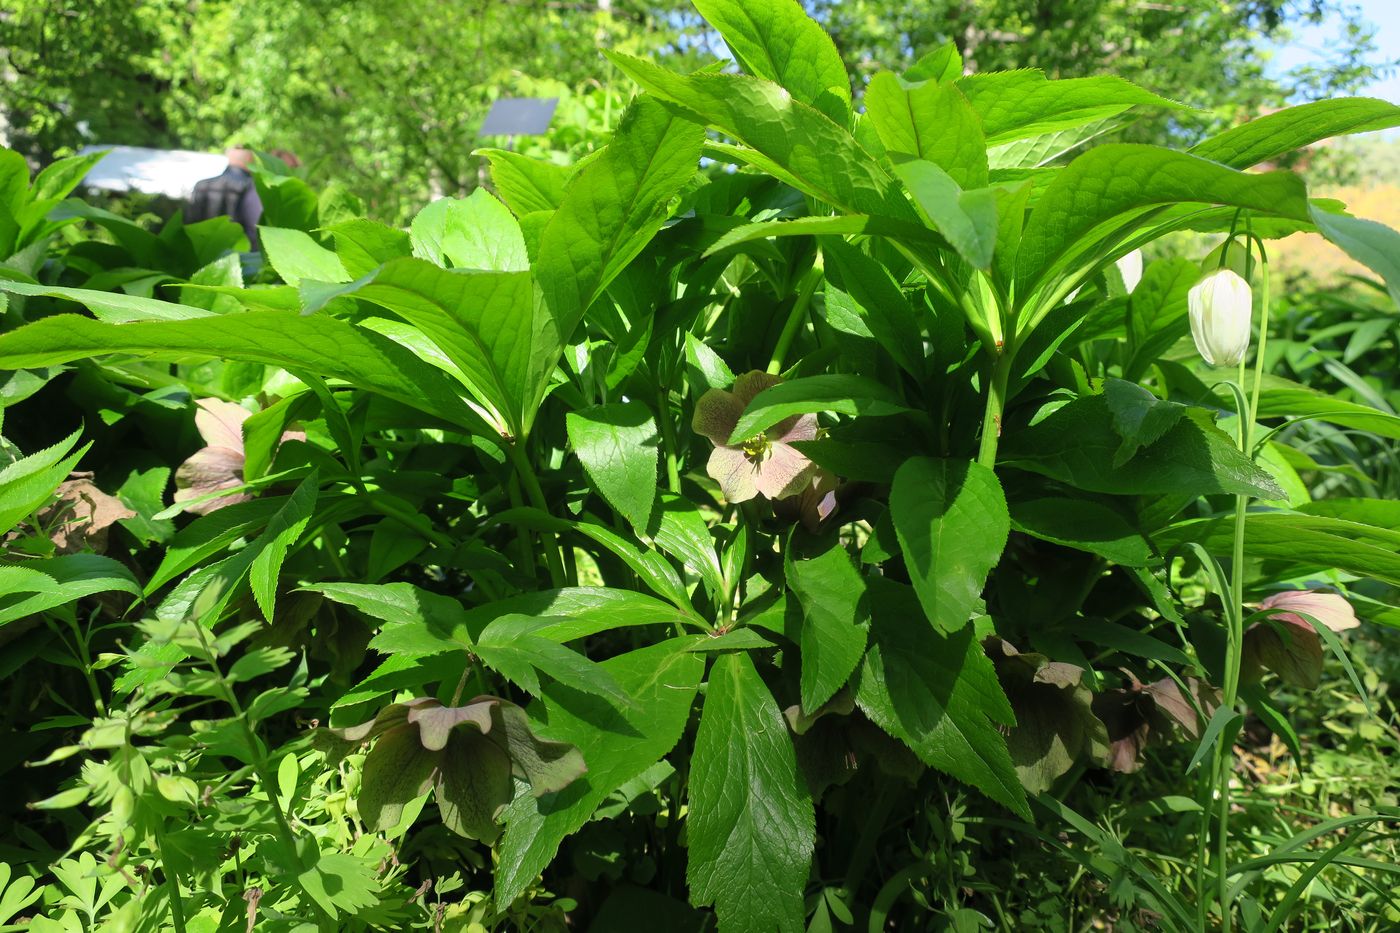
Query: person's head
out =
(287, 156)
(239, 157)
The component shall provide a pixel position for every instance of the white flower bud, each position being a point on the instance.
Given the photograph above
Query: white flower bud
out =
(1221, 306)
(1130, 268)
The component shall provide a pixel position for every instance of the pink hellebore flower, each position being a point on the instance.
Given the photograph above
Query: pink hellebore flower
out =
(767, 463)
(220, 464)
(1328, 608)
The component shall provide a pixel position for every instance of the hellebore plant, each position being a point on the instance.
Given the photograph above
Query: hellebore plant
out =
(766, 464)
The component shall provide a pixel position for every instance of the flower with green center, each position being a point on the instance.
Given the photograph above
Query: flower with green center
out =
(766, 463)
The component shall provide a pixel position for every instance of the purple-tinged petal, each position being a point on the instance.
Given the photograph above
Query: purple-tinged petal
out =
(783, 471)
(750, 384)
(220, 423)
(796, 428)
(716, 413)
(207, 471)
(1328, 608)
(735, 473)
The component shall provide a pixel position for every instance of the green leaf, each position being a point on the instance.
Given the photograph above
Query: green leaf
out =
(838, 392)
(508, 644)
(1139, 417)
(967, 218)
(1297, 540)
(751, 825)
(209, 534)
(617, 445)
(1283, 131)
(952, 523)
(939, 695)
(680, 530)
(1085, 525)
(476, 232)
(929, 121)
(317, 343)
(785, 137)
(777, 40)
(942, 64)
(112, 307)
(365, 245)
(1020, 104)
(27, 483)
(40, 585)
(60, 177)
(1112, 180)
(1283, 398)
(1038, 151)
(831, 592)
(296, 256)
(1372, 244)
(613, 207)
(492, 325)
(842, 225)
(880, 300)
(525, 184)
(282, 532)
(1077, 445)
(618, 744)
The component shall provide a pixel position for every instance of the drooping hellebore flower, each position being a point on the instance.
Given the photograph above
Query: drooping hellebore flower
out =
(765, 464)
(1287, 643)
(1221, 306)
(219, 465)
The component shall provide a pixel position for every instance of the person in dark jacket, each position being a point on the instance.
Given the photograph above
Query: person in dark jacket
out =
(231, 194)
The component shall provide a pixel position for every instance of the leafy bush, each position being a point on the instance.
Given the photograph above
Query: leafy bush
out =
(786, 535)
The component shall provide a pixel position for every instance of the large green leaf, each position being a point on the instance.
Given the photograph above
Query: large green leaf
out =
(296, 256)
(282, 533)
(1283, 131)
(1283, 398)
(832, 594)
(27, 483)
(476, 232)
(938, 693)
(617, 445)
(967, 218)
(1372, 244)
(751, 826)
(785, 137)
(492, 325)
(112, 307)
(613, 207)
(1020, 104)
(839, 392)
(1078, 445)
(525, 184)
(929, 121)
(617, 745)
(38, 585)
(883, 306)
(1298, 540)
(952, 523)
(1082, 524)
(1112, 180)
(317, 343)
(777, 40)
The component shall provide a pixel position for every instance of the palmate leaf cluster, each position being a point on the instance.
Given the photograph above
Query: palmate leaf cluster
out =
(478, 556)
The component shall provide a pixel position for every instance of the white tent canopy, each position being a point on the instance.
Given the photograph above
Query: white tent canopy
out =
(171, 172)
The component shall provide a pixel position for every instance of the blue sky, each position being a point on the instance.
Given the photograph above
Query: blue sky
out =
(1310, 43)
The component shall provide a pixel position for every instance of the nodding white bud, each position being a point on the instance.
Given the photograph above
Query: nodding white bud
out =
(1130, 268)
(1221, 306)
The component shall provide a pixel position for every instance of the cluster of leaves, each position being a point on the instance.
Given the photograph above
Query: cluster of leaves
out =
(748, 507)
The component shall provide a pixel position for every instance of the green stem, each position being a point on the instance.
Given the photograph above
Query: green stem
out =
(177, 906)
(668, 441)
(996, 404)
(795, 318)
(521, 461)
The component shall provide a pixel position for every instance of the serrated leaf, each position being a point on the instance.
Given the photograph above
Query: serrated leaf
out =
(617, 744)
(939, 695)
(525, 184)
(967, 218)
(777, 40)
(282, 532)
(1021, 104)
(831, 592)
(618, 447)
(929, 121)
(317, 343)
(1283, 131)
(613, 206)
(296, 256)
(475, 232)
(751, 825)
(952, 523)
